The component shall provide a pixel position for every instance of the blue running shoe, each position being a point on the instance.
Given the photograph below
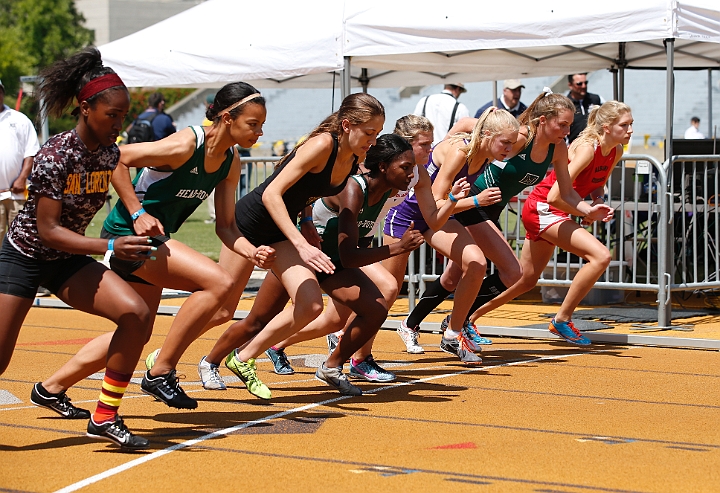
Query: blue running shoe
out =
(369, 370)
(567, 331)
(280, 361)
(471, 333)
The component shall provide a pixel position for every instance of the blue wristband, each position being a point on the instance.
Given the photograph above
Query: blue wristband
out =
(110, 250)
(306, 219)
(452, 198)
(137, 214)
(475, 201)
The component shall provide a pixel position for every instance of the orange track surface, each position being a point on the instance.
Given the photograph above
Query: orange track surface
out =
(537, 416)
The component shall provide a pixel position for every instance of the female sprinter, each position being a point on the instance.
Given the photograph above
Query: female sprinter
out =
(497, 135)
(455, 157)
(46, 243)
(317, 167)
(346, 223)
(546, 215)
(178, 173)
(544, 126)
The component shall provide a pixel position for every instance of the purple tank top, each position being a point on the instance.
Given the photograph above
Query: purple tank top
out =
(410, 208)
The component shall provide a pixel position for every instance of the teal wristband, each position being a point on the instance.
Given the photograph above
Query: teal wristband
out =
(110, 250)
(306, 219)
(452, 198)
(475, 201)
(137, 214)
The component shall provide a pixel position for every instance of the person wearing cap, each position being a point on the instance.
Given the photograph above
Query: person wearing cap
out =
(510, 99)
(443, 109)
(584, 102)
(18, 145)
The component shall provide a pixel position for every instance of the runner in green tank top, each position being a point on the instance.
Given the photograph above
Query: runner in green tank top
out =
(172, 195)
(178, 173)
(540, 142)
(325, 218)
(514, 175)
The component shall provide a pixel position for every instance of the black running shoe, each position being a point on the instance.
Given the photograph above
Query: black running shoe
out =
(60, 403)
(116, 432)
(166, 388)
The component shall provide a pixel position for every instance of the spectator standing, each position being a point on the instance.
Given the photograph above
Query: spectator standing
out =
(583, 101)
(18, 145)
(510, 99)
(162, 123)
(443, 109)
(693, 131)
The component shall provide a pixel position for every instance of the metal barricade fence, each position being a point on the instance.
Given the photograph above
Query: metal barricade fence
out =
(255, 171)
(695, 219)
(633, 237)
(653, 249)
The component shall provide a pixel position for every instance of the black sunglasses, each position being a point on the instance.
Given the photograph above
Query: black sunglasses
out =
(579, 84)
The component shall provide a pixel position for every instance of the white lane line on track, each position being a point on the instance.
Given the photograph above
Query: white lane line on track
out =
(227, 431)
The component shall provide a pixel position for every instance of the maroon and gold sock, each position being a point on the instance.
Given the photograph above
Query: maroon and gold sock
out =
(113, 388)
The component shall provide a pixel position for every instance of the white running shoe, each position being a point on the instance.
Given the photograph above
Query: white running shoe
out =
(210, 376)
(410, 338)
(469, 342)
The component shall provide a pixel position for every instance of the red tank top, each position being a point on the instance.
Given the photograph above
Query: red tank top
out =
(592, 177)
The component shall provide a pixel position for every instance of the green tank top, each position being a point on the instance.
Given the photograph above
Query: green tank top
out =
(171, 196)
(326, 219)
(515, 174)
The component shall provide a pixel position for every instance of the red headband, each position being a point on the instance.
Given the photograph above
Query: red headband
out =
(99, 84)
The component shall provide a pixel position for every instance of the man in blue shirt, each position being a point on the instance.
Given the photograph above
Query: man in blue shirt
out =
(162, 123)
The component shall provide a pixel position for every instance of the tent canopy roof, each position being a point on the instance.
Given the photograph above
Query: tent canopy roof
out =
(408, 42)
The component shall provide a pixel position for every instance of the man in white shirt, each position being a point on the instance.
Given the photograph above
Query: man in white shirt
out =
(443, 110)
(18, 145)
(693, 131)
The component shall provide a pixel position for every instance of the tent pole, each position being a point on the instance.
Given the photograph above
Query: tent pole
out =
(495, 96)
(616, 94)
(345, 87)
(364, 79)
(669, 95)
(665, 245)
(710, 124)
(621, 63)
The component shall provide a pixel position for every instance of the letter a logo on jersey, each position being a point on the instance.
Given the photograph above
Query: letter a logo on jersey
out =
(194, 171)
(522, 156)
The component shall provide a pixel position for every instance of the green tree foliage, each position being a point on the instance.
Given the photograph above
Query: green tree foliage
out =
(36, 33)
(33, 35)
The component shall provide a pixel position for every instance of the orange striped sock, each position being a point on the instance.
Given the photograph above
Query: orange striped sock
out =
(113, 388)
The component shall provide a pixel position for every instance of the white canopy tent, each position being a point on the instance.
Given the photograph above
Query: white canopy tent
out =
(221, 41)
(404, 42)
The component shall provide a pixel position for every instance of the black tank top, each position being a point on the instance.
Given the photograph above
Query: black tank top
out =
(252, 217)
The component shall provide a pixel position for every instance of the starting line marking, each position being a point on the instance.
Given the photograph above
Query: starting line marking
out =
(189, 443)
